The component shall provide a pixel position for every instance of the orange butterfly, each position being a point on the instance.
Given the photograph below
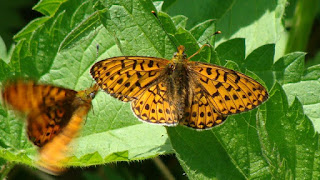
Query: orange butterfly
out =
(168, 92)
(54, 117)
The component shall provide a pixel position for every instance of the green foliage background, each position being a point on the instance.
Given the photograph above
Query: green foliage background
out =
(278, 140)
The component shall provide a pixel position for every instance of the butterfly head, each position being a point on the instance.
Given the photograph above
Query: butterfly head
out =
(89, 94)
(179, 56)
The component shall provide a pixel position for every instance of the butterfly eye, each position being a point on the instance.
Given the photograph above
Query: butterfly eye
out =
(184, 56)
(92, 95)
(171, 68)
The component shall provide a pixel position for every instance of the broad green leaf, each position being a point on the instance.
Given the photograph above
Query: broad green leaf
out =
(307, 90)
(180, 21)
(204, 32)
(48, 7)
(259, 22)
(289, 68)
(199, 11)
(234, 50)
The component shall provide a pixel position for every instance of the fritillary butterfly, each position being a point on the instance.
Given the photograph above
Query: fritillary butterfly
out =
(168, 92)
(54, 117)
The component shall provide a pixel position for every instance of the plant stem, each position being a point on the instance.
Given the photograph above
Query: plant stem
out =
(5, 169)
(163, 168)
(302, 23)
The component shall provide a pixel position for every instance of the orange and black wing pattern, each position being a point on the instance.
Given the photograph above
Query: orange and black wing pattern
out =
(127, 77)
(168, 92)
(140, 80)
(200, 113)
(155, 106)
(54, 116)
(228, 91)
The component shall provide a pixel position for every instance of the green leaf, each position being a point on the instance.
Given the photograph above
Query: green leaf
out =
(83, 30)
(201, 154)
(308, 93)
(180, 21)
(233, 49)
(289, 68)
(3, 49)
(199, 11)
(203, 32)
(258, 22)
(5, 70)
(48, 7)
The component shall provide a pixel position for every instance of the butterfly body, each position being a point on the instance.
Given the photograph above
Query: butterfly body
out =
(168, 92)
(177, 83)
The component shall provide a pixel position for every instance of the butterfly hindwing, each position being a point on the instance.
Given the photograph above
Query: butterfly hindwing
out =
(155, 106)
(44, 125)
(199, 113)
(127, 77)
(55, 150)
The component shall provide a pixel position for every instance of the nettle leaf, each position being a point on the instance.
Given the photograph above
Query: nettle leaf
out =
(307, 89)
(276, 140)
(259, 22)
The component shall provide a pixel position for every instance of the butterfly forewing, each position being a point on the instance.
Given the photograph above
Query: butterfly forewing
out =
(49, 108)
(26, 96)
(229, 91)
(127, 77)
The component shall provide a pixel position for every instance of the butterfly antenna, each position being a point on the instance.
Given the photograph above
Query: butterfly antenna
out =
(207, 44)
(155, 15)
(215, 33)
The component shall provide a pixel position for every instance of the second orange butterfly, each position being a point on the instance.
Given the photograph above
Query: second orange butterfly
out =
(55, 116)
